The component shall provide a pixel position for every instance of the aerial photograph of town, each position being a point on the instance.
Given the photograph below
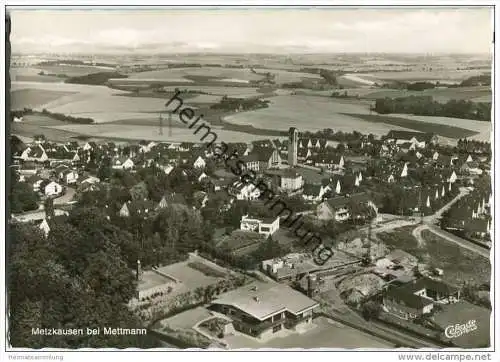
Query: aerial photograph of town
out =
(183, 178)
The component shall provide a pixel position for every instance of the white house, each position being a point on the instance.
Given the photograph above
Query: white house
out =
(315, 192)
(453, 178)
(91, 180)
(36, 153)
(70, 176)
(53, 189)
(199, 162)
(246, 191)
(264, 226)
(123, 164)
(44, 226)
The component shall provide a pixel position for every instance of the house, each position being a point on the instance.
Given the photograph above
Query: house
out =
(199, 162)
(91, 180)
(251, 162)
(123, 163)
(70, 176)
(261, 225)
(418, 297)
(262, 310)
(287, 179)
(245, 191)
(315, 192)
(330, 161)
(34, 153)
(419, 139)
(171, 199)
(141, 208)
(44, 226)
(53, 189)
(90, 146)
(267, 157)
(337, 208)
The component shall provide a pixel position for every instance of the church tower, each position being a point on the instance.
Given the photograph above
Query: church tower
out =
(293, 140)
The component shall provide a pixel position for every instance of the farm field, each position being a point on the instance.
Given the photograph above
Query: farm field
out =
(317, 112)
(434, 75)
(285, 76)
(236, 92)
(32, 98)
(31, 75)
(135, 132)
(483, 129)
(73, 70)
(205, 72)
(476, 94)
(420, 125)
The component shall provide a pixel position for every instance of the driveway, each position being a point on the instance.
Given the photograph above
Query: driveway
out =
(67, 197)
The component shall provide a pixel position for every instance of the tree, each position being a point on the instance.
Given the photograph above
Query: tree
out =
(371, 310)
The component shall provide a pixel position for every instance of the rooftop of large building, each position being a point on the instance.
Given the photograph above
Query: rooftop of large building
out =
(263, 300)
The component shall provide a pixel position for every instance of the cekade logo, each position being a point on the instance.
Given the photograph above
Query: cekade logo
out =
(457, 330)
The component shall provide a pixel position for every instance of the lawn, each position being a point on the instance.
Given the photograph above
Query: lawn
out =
(417, 125)
(459, 264)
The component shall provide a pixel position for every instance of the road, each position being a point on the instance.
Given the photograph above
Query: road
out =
(432, 219)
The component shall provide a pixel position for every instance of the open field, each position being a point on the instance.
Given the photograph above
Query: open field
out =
(317, 112)
(32, 98)
(440, 129)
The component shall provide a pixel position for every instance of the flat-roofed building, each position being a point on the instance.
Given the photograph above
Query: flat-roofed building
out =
(262, 310)
(263, 225)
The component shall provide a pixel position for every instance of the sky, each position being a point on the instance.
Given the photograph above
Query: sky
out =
(333, 30)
